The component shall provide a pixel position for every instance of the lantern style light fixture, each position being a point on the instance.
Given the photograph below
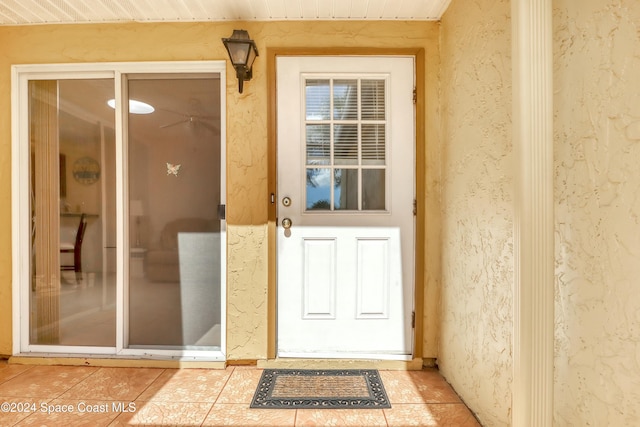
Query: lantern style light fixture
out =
(242, 51)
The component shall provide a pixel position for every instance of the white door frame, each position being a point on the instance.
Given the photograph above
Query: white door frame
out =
(419, 110)
(21, 249)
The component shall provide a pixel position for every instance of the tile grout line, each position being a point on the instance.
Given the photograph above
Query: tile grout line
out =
(44, 399)
(95, 371)
(233, 370)
(163, 370)
(18, 374)
(384, 414)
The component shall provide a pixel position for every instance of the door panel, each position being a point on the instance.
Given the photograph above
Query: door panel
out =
(174, 172)
(72, 298)
(372, 296)
(319, 300)
(345, 183)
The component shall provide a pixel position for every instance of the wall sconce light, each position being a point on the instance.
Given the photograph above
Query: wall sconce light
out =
(242, 51)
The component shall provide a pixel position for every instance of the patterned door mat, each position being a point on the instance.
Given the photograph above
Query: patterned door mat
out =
(320, 389)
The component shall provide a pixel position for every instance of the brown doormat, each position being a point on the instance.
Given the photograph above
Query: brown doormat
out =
(320, 389)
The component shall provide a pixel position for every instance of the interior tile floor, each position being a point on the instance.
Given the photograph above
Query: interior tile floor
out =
(93, 396)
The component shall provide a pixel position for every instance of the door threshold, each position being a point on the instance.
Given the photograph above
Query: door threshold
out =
(308, 363)
(112, 361)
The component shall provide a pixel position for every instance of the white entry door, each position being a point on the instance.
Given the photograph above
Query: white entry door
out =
(345, 238)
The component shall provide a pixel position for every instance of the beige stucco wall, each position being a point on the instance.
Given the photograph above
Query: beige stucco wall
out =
(477, 206)
(597, 187)
(247, 138)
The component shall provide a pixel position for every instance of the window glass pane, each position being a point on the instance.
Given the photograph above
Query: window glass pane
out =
(345, 100)
(352, 137)
(373, 144)
(373, 189)
(174, 228)
(318, 144)
(373, 100)
(73, 207)
(346, 189)
(317, 101)
(318, 189)
(346, 144)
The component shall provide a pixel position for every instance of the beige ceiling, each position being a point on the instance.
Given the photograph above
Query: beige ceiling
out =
(21, 12)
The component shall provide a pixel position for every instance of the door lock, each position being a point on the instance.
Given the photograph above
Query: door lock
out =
(286, 201)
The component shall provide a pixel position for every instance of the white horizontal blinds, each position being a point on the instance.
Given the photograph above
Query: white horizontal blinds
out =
(374, 122)
(346, 143)
(345, 136)
(317, 127)
(373, 144)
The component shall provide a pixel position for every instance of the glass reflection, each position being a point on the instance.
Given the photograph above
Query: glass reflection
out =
(345, 99)
(318, 189)
(73, 207)
(373, 189)
(346, 144)
(346, 189)
(318, 144)
(175, 232)
(317, 100)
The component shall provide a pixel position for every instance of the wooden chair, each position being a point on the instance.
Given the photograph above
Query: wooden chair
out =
(75, 249)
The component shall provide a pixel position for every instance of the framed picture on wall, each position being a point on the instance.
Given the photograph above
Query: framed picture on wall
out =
(86, 170)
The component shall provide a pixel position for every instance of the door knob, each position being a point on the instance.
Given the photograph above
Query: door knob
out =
(286, 223)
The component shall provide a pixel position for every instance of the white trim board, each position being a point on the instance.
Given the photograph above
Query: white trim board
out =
(533, 305)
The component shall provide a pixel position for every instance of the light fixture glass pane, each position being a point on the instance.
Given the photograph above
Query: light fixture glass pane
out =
(239, 53)
(373, 144)
(345, 149)
(318, 144)
(318, 189)
(317, 101)
(345, 100)
(373, 100)
(373, 189)
(346, 189)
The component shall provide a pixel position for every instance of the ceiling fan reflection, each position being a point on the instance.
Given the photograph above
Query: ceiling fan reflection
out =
(194, 121)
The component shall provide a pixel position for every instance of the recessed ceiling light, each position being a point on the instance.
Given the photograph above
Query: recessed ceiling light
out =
(135, 107)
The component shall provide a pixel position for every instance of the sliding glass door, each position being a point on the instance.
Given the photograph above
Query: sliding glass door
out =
(120, 197)
(72, 200)
(174, 199)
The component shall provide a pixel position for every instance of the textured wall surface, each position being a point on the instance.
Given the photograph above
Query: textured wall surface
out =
(597, 193)
(477, 201)
(247, 164)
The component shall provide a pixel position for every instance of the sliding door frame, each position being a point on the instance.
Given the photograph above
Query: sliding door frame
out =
(21, 229)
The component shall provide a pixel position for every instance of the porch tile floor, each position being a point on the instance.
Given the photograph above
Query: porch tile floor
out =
(92, 396)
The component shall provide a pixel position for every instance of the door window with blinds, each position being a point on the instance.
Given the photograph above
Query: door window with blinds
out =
(345, 134)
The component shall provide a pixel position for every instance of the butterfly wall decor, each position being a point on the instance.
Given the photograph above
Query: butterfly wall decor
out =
(172, 169)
